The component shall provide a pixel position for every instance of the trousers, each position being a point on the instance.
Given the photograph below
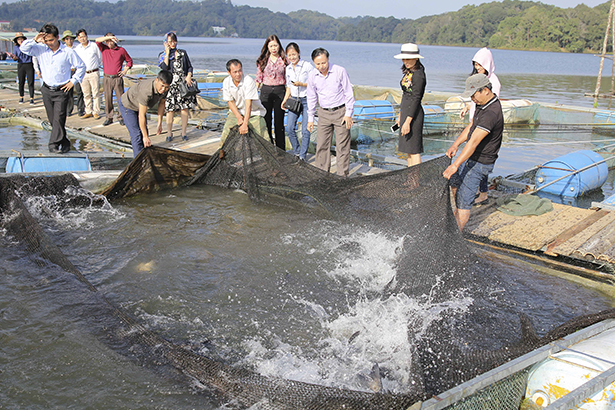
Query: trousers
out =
(111, 84)
(328, 123)
(56, 103)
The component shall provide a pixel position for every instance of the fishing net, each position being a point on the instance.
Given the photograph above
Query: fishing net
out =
(413, 201)
(242, 386)
(154, 169)
(433, 263)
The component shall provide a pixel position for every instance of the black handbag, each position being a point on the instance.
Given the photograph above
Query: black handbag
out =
(294, 104)
(186, 90)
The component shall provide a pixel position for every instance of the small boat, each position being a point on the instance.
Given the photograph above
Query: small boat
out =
(515, 111)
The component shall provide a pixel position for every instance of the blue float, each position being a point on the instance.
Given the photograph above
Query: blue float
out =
(47, 164)
(212, 90)
(373, 109)
(574, 184)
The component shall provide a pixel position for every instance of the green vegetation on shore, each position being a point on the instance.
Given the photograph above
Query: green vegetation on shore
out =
(510, 24)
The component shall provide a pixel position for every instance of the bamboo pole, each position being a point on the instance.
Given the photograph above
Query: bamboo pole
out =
(606, 39)
(613, 52)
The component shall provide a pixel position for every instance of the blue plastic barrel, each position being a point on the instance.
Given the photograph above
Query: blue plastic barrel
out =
(576, 184)
(372, 109)
(610, 200)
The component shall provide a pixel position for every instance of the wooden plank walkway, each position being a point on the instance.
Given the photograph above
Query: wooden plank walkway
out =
(566, 233)
(199, 141)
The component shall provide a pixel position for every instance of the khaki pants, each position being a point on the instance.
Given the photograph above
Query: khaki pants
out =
(111, 84)
(328, 122)
(256, 123)
(90, 86)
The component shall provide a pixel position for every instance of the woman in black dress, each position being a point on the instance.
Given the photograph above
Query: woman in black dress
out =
(411, 114)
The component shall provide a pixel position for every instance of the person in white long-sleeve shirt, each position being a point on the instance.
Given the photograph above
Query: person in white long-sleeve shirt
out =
(56, 61)
(90, 54)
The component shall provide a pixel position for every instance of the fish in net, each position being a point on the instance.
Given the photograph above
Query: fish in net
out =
(414, 202)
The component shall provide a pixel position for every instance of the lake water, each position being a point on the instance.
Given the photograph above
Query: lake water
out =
(549, 77)
(276, 290)
(560, 78)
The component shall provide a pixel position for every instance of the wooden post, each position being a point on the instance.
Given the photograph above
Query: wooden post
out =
(606, 39)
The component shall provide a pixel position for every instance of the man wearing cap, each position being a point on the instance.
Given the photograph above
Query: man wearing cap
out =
(56, 61)
(90, 54)
(133, 106)
(330, 86)
(25, 68)
(69, 40)
(113, 57)
(483, 138)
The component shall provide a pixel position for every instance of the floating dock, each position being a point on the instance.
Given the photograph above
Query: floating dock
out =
(582, 239)
(200, 140)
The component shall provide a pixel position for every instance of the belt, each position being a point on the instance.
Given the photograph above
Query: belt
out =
(112, 76)
(334, 108)
(54, 87)
(91, 71)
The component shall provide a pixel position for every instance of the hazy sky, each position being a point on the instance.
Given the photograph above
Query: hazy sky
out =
(410, 9)
(383, 8)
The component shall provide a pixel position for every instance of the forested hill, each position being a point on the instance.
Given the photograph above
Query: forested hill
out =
(509, 24)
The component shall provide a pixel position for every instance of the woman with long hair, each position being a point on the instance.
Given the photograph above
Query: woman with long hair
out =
(271, 80)
(296, 86)
(178, 63)
(411, 113)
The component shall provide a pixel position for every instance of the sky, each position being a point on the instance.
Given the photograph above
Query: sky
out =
(384, 8)
(409, 9)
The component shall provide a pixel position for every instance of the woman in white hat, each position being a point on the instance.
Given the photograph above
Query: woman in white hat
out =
(411, 114)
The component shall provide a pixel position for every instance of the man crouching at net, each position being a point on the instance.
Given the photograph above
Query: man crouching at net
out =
(484, 138)
(242, 96)
(134, 105)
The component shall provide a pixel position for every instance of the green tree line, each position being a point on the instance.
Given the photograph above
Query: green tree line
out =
(509, 24)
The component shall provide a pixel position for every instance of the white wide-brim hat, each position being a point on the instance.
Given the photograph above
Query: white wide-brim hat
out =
(408, 51)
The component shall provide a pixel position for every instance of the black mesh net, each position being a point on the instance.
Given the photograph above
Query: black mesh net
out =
(153, 169)
(415, 202)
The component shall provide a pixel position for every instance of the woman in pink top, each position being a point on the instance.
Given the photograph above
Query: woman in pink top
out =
(271, 80)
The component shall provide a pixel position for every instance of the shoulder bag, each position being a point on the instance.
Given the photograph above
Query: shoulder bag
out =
(188, 91)
(293, 104)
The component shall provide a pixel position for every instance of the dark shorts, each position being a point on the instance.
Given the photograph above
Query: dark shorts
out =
(467, 180)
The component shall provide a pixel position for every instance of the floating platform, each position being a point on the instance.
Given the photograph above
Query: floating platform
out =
(582, 239)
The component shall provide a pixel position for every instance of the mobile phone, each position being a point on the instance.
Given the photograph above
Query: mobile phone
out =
(394, 127)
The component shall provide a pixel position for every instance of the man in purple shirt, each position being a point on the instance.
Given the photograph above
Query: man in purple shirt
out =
(330, 86)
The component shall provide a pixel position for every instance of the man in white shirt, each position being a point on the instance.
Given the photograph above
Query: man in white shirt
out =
(56, 61)
(90, 54)
(242, 96)
(69, 40)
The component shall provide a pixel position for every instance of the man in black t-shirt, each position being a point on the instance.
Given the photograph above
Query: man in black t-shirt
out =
(484, 138)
